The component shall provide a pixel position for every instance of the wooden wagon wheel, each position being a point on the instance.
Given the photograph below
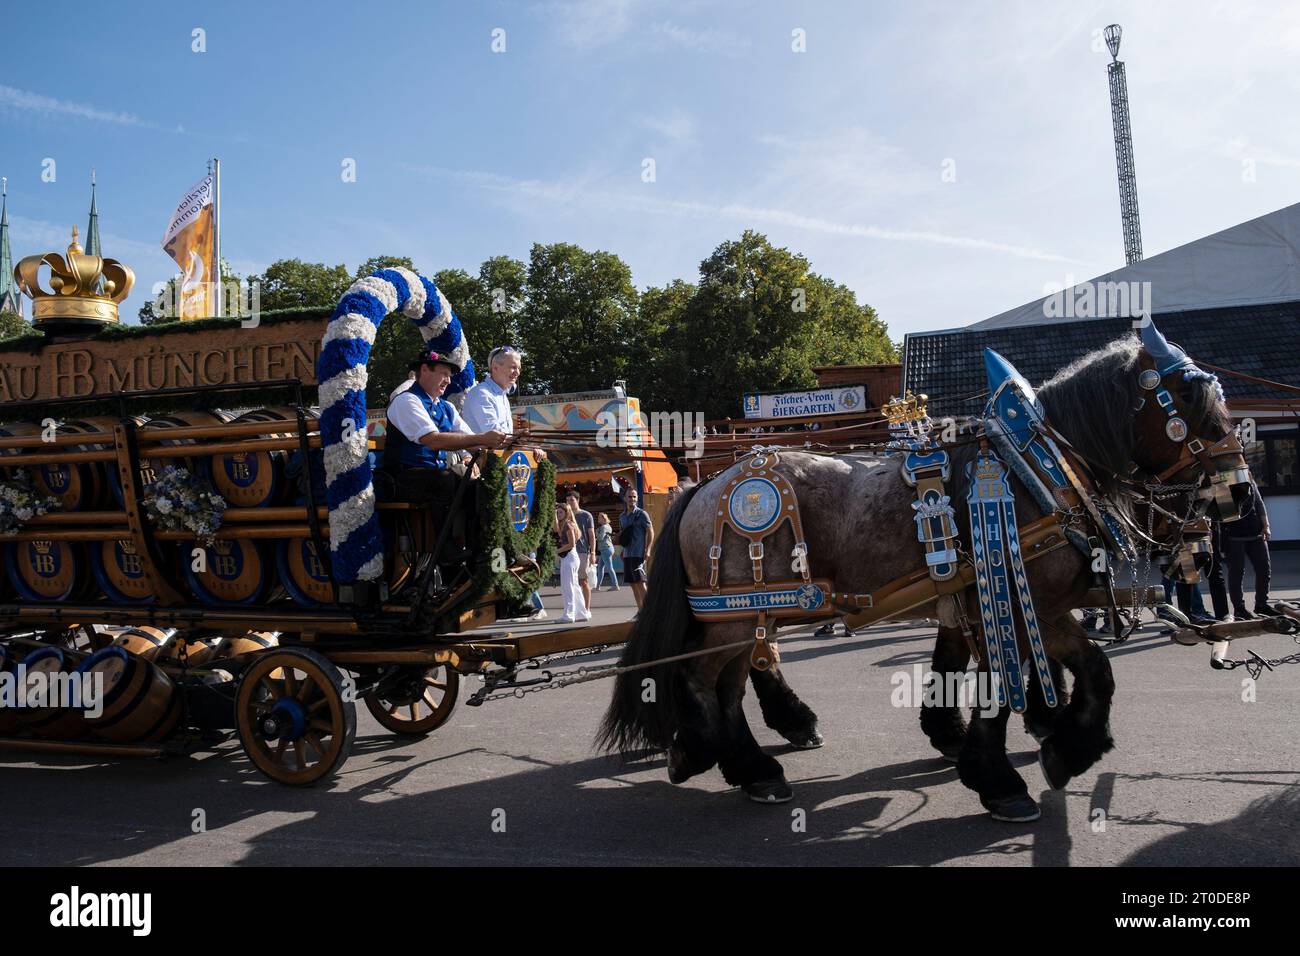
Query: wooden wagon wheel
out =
(293, 720)
(418, 702)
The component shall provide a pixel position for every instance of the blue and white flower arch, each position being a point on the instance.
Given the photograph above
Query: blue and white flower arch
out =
(356, 544)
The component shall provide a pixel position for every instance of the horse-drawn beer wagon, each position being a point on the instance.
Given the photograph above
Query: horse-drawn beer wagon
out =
(199, 565)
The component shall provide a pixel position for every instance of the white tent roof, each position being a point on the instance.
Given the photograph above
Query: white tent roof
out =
(1249, 264)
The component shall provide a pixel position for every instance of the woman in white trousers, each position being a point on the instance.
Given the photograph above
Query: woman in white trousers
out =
(566, 529)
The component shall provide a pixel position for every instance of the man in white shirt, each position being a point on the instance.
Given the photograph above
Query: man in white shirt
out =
(426, 434)
(487, 404)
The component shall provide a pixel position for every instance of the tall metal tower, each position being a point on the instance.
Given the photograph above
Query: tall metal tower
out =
(1128, 190)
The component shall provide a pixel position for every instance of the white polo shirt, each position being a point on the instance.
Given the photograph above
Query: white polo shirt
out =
(487, 407)
(407, 415)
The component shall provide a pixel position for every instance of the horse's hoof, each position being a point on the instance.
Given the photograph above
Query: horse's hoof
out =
(1018, 809)
(769, 791)
(806, 739)
(677, 771)
(1053, 765)
(950, 752)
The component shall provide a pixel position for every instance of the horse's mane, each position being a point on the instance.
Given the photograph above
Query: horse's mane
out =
(1091, 401)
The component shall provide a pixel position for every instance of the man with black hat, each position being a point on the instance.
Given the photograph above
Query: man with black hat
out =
(426, 434)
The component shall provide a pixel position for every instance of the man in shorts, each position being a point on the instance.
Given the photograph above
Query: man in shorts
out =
(636, 533)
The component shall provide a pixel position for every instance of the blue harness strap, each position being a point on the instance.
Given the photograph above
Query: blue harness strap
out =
(987, 489)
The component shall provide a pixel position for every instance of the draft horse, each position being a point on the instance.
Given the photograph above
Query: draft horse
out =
(861, 535)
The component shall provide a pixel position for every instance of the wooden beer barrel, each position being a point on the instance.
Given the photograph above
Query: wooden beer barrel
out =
(15, 430)
(197, 652)
(141, 703)
(151, 467)
(249, 643)
(256, 479)
(83, 486)
(9, 722)
(236, 571)
(302, 573)
(46, 570)
(146, 642)
(119, 572)
(59, 723)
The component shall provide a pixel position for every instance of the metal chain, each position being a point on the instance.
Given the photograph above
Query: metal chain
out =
(549, 681)
(1255, 665)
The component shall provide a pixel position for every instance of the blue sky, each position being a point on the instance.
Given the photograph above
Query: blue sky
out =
(837, 152)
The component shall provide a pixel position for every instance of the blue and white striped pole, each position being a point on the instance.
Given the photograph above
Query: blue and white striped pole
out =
(356, 545)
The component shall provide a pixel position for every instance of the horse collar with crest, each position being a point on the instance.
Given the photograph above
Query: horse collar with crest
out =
(754, 505)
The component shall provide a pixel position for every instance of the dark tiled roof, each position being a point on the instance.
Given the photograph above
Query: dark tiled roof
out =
(1259, 340)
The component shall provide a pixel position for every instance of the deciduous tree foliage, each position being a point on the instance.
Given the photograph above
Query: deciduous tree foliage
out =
(11, 324)
(757, 319)
(578, 320)
(292, 283)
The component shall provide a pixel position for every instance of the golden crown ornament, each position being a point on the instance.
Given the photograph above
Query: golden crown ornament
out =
(84, 290)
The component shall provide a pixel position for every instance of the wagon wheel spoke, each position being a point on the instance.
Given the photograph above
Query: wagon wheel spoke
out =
(316, 706)
(316, 745)
(441, 685)
(300, 750)
(306, 690)
(415, 710)
(278, 756)
(393, 709)
(432, 702)
(273, 692)
(290, 683)
(324, 726)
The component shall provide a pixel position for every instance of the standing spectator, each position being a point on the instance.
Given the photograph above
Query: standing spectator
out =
(566, 530)
(636, 533)
(1248, 538)
(1190, 601)
(1214, 575)
(586, 543)
(605, 551)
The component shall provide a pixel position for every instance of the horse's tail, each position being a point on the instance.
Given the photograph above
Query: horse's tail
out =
(663, 627)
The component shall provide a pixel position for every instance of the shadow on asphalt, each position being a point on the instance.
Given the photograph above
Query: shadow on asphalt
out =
(584, 812)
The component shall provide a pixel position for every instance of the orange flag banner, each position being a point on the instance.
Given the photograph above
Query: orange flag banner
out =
(188, 240)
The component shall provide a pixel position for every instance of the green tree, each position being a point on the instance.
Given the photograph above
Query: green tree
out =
(659, 311)
(154, 311)
(396, 339)
(760, 319)
(13, 324)
(292, 283)
(503, 284)
(578, 319)
(375, 263)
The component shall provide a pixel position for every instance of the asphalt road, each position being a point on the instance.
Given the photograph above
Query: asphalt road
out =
(1199, 777)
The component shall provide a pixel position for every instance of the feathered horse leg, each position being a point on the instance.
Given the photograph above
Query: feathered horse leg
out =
(1081, 734)
(783, 710)
(943, 723)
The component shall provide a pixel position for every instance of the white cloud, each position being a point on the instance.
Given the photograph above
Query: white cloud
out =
(677, 126)
(578, 194)
(48, 106)
(702, 41)
(588, 23)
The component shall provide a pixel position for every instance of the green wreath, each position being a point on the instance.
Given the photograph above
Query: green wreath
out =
(497, 531)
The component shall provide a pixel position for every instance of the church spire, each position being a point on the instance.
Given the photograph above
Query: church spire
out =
(92, 228)
(10, 298)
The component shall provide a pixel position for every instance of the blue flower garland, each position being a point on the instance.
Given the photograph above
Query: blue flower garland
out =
(356, 544)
